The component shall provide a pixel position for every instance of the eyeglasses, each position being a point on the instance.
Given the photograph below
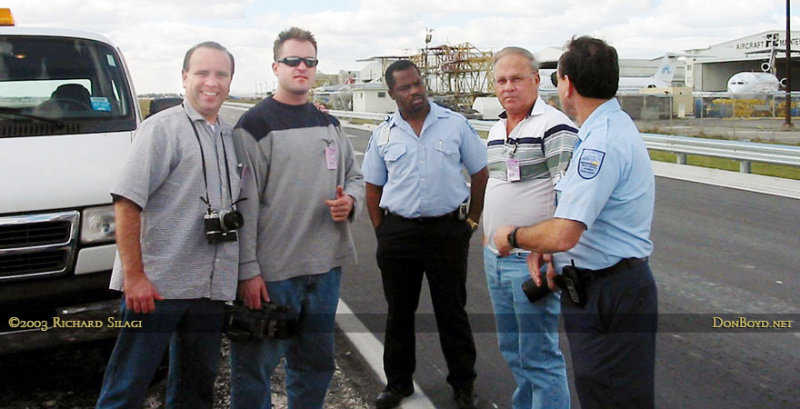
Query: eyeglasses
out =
(295, 61)
(554, 78)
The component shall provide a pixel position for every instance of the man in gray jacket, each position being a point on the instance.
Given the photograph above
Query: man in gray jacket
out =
(303, 187)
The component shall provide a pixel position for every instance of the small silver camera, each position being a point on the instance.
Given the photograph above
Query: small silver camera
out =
(222, 225)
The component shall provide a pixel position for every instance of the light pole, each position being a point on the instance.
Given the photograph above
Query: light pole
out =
(787, 124)
(428, 38)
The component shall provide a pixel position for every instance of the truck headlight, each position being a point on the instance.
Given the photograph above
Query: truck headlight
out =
(98, 225)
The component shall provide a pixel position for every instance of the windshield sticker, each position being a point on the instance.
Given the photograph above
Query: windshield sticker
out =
(101, 104)
(111, 61)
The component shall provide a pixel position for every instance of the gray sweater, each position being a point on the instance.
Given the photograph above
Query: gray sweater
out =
(288, 230)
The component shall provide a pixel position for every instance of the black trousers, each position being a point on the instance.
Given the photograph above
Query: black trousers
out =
(613, 340)
(436, 247)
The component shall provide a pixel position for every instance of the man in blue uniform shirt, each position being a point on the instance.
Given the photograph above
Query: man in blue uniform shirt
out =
(414, 193)
(602, 224)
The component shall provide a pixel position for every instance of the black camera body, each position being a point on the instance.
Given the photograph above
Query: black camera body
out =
(569, 281)
(221, 225)
(271, 321)
(533, 292)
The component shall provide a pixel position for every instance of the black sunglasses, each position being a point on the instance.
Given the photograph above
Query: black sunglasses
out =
(295, 61)
(554, 78)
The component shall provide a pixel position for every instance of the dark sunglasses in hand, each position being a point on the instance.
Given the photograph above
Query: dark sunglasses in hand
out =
(295, 61)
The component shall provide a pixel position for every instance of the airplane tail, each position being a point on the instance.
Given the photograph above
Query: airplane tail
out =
(666, 70)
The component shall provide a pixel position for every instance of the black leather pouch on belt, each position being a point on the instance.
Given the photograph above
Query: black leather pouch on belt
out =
(571, 283)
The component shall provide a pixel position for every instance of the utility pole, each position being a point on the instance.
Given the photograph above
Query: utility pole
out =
(428, 38)
(787, 124)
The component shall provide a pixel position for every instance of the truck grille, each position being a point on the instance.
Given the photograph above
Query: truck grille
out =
(32, 263)
(34, 234)
(37, 245)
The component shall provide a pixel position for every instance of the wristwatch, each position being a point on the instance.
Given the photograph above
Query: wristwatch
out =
(472, 224)
(512, 237)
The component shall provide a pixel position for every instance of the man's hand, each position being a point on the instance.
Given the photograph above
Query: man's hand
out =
(252, 291)
(341, 206)
(501, 240)
(535, 261)
(140, 295)
(321, 107)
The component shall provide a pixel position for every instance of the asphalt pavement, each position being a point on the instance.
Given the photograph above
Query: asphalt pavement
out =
(723, 254)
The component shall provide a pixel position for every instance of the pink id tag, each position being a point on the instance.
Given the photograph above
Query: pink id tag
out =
(512, 170)
(330, 157)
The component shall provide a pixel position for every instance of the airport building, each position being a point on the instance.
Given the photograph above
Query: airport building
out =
(709, 69)
(696, 82)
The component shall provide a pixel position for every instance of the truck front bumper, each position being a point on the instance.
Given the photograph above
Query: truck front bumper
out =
(65, 310)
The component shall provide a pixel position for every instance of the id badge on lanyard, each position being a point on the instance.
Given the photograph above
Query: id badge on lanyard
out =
(512, 166)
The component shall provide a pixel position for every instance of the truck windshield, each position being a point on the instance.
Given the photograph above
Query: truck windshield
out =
(56, 85)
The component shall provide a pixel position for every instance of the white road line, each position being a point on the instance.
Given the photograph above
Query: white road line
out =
(372, 351)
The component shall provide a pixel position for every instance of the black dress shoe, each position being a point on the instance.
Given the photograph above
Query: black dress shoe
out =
(465, 398)
(391, 396)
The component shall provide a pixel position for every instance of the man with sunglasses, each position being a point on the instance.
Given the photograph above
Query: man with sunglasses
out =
(304, 188)
(600, 235)
(528, 151)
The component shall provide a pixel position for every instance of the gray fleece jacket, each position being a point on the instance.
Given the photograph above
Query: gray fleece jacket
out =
(288, 229)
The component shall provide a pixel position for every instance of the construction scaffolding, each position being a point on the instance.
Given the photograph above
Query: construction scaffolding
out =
(456, 73)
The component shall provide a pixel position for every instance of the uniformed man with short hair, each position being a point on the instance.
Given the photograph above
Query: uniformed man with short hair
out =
(415, 189)
(602, 225)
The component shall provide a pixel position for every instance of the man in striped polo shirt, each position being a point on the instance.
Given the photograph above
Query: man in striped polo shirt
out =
(528, 151)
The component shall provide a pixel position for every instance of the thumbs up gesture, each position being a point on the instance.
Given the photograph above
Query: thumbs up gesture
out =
(341, 206)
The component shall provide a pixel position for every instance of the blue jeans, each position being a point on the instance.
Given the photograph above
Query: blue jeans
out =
(312, 299)
(527, 334)
(192, 329)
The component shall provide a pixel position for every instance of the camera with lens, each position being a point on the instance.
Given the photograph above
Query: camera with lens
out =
(534, 292)
(569, 281)
(271, 321)
(221, 226)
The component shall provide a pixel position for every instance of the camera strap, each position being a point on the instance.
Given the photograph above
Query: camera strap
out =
(203, 160)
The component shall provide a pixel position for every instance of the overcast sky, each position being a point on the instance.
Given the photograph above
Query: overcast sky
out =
(154, 34)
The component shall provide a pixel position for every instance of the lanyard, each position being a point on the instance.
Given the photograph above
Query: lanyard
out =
(203, 159)
(515, 142)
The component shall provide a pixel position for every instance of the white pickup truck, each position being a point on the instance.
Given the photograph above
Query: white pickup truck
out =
(68, 112)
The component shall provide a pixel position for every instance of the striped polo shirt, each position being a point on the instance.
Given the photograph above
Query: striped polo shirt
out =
(542, 144)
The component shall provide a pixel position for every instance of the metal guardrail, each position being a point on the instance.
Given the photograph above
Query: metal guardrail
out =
(744, 152)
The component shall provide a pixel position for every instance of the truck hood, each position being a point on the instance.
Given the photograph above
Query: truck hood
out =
(60, 171)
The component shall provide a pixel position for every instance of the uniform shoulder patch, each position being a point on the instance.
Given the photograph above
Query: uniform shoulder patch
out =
(472, 128)
(590, 162)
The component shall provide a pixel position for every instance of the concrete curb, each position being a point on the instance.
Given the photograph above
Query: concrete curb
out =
(735, 180)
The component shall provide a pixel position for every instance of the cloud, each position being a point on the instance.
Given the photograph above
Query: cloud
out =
(154, 34)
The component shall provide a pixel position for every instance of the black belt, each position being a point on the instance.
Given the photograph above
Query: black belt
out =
(447, 216)
(624, 264)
